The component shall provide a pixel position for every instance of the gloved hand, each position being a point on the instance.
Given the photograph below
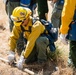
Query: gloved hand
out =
(21, 62)
(11, 57)
(63, 38)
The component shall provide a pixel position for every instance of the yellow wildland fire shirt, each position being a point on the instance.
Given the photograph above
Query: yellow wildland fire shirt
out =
(67, 15)
(36, 30)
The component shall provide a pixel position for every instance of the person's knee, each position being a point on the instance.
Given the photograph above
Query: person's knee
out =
(42, 40)
(38, 42)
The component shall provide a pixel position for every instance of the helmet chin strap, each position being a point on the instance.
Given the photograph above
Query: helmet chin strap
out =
(25, 20)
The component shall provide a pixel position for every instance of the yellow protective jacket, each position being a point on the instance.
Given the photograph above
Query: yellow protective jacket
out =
(36, 30)
(67, 15)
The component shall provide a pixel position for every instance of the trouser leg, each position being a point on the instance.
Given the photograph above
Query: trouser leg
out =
(10, 7)
(32, 57)
(41, 47)
(42, 16)
(56, 18)
(73, 52)
(39, 51)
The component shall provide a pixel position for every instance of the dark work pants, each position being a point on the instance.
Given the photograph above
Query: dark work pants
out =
(39, 52)
(9, 8)
(72, 53)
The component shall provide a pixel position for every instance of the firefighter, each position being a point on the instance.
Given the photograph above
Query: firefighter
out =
(36, 45)
(68, 28)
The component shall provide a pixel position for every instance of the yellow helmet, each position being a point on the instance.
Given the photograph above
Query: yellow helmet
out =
(19, 14)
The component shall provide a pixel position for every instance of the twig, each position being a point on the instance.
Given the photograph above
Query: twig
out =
(29, 71)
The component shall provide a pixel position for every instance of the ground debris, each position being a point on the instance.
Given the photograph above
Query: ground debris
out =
(2, 27)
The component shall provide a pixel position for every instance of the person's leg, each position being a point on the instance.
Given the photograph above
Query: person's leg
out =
(6, 7)
(41, 47)
(42, 9)
(10, 7)
(32, 57)
(56, 17)
(55, 21)
(73, 52)
(42, 15)
(39, 51)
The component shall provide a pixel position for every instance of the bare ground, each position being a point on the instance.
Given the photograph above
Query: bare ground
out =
(48, 69)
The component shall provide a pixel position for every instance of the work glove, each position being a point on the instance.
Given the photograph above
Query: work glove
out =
(11, 57)
(21, 62)
(63, 39)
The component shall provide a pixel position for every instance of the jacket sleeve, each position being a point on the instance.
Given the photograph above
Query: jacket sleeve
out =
(67, 15)
(14, 37)
(37, 29)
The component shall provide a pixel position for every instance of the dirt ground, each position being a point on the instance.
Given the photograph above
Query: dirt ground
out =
(47, 69)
